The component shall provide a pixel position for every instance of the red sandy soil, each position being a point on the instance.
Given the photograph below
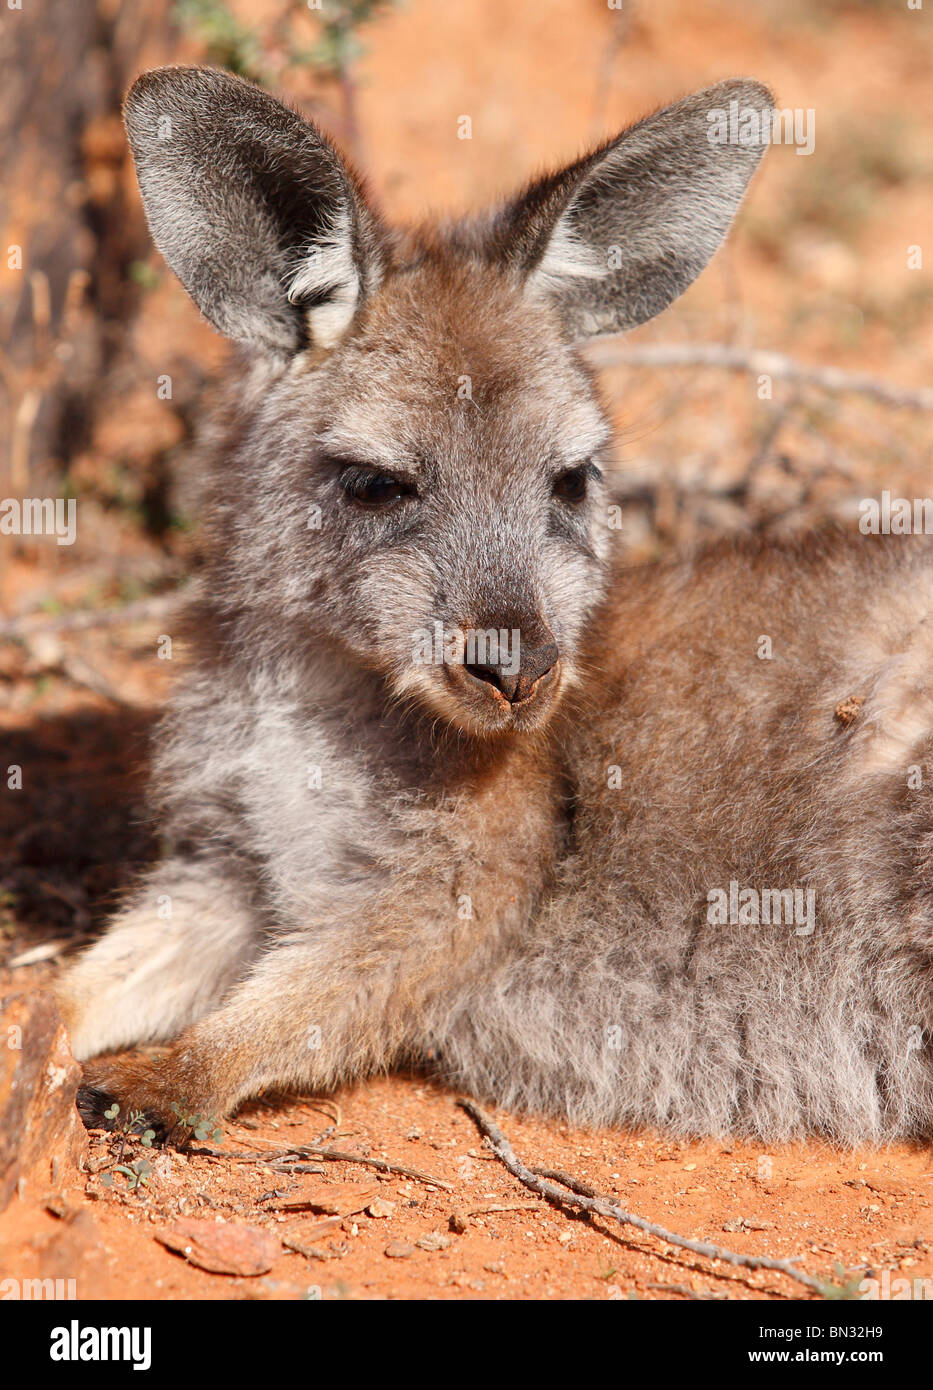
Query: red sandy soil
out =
(864, 1212)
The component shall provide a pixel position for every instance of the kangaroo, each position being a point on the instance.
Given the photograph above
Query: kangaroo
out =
(448, 784)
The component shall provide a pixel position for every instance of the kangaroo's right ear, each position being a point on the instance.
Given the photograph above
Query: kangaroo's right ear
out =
(254, 210)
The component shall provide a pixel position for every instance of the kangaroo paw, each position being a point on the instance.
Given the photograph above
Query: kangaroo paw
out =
(156, 1088)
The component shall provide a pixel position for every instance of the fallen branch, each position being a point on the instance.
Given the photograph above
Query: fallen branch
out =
(760, 362)
(142, 610)
(299, 1151)
(543, 1182)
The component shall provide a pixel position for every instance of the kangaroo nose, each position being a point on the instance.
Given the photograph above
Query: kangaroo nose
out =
(516, 678)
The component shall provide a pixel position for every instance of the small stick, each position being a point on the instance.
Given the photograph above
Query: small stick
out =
(311, 1254)
(41, 310)
(47, 950)
(760, 362)
(588, 1200)
(492, 1208)
(23, 421)
(82, 673)
(686, 1291)
(290, 1165)
(330, 1108)
(155, 607)
(331, 1155)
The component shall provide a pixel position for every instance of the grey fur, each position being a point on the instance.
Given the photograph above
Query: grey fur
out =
(239, 190)
(380, 862)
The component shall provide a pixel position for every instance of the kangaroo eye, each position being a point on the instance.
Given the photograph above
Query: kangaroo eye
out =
(571, 486)
(371, 489)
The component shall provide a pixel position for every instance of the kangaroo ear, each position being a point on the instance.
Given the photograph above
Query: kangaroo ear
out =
(614, 238)
(252, 207)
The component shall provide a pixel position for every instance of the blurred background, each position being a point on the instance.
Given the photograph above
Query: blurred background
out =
(822, 269)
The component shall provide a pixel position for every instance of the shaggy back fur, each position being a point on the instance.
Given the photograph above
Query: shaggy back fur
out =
(623, 864)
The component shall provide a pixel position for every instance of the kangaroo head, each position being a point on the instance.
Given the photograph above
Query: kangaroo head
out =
(415, 479)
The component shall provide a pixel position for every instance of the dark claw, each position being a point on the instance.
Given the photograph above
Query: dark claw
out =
(92, 1102)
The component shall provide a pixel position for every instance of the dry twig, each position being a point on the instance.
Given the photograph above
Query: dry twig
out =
(144, 609)
(299, 1151)
(584, 1197)
(759, 362)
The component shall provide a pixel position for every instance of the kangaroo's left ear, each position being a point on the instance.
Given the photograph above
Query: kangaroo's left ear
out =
(615, 237)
